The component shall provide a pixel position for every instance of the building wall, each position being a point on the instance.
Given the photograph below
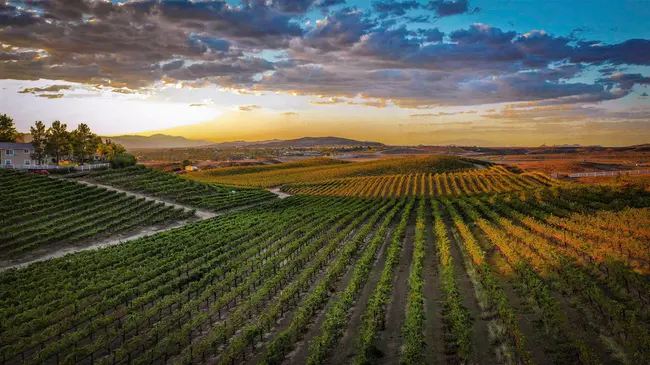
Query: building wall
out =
(20, 157)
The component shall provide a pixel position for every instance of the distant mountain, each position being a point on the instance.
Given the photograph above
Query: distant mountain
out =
(233, 144)
(157, 141)
(316, 142)
(472, 142)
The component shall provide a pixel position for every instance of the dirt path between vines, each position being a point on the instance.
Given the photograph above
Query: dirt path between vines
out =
(61, 249)
(484, 354)
(347, 347)
(433, 301)
(390, 339)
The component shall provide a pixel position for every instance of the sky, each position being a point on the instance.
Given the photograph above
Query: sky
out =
(408, 72)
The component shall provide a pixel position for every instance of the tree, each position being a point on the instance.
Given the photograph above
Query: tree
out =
(58, 141)
(84, 143)
(39, 141)
(8, 132)
(110, 149)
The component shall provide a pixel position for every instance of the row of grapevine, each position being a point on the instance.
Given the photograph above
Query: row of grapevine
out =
(539, 261)
(38, 211)
(374, 318)
(412, 351)
(493, 180)
(321, 169)
(179, 189)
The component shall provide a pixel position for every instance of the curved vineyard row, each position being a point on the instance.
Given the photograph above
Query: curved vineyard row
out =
(493, 180)
(321, 169)
(38, 211)
(178, 189)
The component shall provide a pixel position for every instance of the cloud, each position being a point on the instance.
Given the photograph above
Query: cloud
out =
(51, 96)
(350, 53)
(441, 8)
(481, 34)
(329, 101)
(290, 114)
(397, 8)
(52, 88)
(441, 114)
(444, 8)
(248, 108)
(431, 35)
(625, 81)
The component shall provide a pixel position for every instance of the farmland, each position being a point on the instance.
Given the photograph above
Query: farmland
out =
(174, 188)
(412, 261)
(326, 169)
(38, 211)
(493, 180)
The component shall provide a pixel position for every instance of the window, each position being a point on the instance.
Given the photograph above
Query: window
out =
(26, 152)
(28, 162)
(10, 153)
(7, 162)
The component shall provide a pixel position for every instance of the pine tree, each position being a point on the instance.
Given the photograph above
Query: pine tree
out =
(58, 141)
(39, 141)
(8, 132)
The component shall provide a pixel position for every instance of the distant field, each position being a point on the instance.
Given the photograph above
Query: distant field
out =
(493, 180)
(326, 169)
(36, 211)
(621, 180)
(240, 170)
(178, 189)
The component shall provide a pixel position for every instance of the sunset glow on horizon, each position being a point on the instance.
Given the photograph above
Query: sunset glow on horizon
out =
(398, 72)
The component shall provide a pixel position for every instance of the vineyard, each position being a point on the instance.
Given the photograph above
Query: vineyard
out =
(177, 189)
(37, 211)
(493, 180)
(320, 169)
(546, 274)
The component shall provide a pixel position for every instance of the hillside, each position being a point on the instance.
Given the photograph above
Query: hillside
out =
(239, 170)
(157, 141)
(316, 142)
(325, 169)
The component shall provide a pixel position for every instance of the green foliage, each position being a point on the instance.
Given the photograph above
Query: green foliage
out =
(8, 132)
(123, 160)
(39, 141)
(58, 141)
(374, 317)
(46, 211)
(84, 143)
(413, 329)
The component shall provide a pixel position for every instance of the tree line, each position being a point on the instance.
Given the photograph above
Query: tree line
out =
(57, 143)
